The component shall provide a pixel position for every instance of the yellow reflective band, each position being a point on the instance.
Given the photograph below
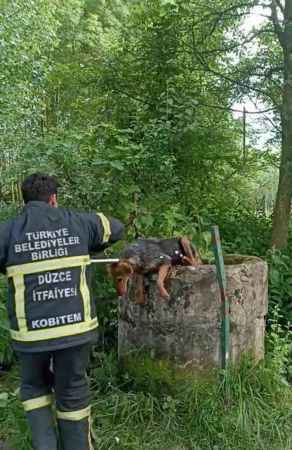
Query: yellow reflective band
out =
(85, 294)
(48, 264)
(54, 332)
(106, 227)
(19, 287)
(74, 415)
(18, 272)
(89, 433)
(38, 402)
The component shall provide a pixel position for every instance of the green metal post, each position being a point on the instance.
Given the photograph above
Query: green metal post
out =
(225, 307)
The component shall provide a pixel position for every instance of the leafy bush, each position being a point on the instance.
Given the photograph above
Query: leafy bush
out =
(13, 423)
(156, 408)
(6, 352)
(280, 284)
(244, 408)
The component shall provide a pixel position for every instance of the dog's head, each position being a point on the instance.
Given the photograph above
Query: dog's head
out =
(121, 272)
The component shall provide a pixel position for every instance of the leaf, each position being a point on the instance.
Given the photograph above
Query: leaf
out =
(117, 165)
(4, 399)
(168, 2)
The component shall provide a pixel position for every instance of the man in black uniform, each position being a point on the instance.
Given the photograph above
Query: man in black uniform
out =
(45, 254)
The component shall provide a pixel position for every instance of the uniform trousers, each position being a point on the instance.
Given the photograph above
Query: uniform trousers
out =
(55, 395)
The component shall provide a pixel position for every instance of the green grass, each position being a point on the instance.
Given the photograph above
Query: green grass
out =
(13, 426)
(249, 408)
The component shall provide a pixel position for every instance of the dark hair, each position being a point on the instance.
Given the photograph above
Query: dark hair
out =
(39, 186)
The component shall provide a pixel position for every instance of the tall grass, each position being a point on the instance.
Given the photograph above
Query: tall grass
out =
(246, 408)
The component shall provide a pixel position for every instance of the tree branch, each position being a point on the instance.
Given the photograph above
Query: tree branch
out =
(281, 7)
(228, 48)
(223, 13)
(231, 80)
(223, 108)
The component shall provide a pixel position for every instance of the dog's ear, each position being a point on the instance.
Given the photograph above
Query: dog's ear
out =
(112, 268)
(134, 261)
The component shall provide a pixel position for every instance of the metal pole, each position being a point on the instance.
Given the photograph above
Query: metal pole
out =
(104, 261)
(244, 135)
(225, 307)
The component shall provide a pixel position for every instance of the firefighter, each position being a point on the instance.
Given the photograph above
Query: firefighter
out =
(45, 254)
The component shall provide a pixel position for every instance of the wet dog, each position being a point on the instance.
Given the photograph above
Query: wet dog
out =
(152, 255)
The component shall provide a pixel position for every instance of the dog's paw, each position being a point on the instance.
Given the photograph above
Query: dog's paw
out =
(164, 294)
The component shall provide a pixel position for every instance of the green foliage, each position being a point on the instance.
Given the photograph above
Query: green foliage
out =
(13, 423)
(246, 408)
(107, 310)
(155, 406)
(123, 107)
(143, 374)
(245, 232)
(280, 284)
(128, 104)
(114, 100)
(6, 353)
(279, 346)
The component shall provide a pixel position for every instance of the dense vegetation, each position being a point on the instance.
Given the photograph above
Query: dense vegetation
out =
(129, 103)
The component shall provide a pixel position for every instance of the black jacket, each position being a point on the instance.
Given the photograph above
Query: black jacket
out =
(45, 254)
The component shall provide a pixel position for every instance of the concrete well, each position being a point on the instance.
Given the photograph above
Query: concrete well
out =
(186, 329)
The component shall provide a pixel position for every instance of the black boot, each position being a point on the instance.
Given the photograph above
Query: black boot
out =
(42, 429)
(75, 434)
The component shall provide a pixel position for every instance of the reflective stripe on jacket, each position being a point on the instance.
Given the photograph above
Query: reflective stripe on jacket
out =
(45, 255)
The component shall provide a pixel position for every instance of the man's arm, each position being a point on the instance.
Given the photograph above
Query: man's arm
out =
(4, 242)
(103, 231)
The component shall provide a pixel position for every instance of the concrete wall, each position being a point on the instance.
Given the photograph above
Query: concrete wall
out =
(186, 329)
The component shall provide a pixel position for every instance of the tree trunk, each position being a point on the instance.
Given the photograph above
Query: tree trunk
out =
(282, 208)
